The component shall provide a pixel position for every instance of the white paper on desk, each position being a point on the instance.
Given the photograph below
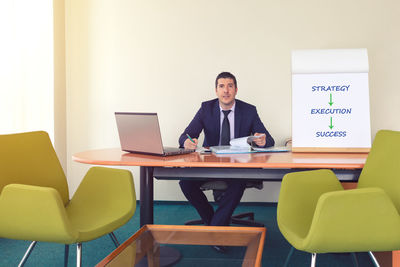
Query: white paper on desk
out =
(244, 142)
(237, 146)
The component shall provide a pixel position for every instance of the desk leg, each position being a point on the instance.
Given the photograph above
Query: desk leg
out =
(167, 255)
(146, 195)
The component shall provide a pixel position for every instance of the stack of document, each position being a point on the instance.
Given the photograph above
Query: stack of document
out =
(244, 145)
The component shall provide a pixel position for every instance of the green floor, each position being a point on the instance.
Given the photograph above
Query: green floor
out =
(275, 249)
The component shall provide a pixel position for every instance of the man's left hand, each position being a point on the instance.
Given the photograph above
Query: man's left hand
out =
(260, 141)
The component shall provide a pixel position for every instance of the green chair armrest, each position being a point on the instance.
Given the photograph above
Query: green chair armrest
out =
(34, 213)
(104, 201)
(298, 198)
(354, 220)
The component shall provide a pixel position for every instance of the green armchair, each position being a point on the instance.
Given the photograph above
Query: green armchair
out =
(315, 214)
(34, 199)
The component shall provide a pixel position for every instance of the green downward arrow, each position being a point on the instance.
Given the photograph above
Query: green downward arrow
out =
(331, 126)
(330, 102)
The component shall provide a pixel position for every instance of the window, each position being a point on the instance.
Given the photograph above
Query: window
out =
(26, 66)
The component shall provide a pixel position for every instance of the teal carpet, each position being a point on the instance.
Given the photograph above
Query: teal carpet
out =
(275, 249)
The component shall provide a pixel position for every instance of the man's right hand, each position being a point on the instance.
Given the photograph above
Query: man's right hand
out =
(189, 144)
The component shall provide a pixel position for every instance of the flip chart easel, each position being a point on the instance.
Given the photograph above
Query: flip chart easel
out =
(330, 101)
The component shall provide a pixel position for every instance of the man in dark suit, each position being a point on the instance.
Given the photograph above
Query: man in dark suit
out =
(221, 119)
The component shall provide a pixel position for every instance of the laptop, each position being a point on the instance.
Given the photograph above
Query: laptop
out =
(140, 133)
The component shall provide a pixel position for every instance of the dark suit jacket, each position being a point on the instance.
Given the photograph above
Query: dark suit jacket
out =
(247, 122)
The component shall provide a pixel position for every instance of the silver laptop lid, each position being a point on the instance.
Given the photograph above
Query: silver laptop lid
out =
(139, 132)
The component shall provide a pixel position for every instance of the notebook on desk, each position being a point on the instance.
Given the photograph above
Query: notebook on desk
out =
(140, 133)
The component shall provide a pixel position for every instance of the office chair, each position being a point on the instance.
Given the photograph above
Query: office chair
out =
(34, 199)
(219, 188)
(316, 215)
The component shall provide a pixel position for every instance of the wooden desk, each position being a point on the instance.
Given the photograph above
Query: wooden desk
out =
(253, 166)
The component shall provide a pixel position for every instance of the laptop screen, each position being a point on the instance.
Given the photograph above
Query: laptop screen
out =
(139, 132)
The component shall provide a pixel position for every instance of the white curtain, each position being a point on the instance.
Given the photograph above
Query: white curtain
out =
(26, 66)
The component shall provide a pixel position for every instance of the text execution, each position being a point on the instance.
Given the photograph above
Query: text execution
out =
(330, 111)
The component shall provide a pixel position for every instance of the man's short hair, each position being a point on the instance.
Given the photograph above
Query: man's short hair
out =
(225, 75)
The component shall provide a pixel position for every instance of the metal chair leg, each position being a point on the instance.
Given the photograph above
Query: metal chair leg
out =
(371, 255)
(114, 239)
(354, 258)
(288, 257)
(313, 259)
(78, 254)
(27, 253)
(66, 253)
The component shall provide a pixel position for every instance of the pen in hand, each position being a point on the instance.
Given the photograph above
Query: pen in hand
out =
(190, 143)
(190, 138)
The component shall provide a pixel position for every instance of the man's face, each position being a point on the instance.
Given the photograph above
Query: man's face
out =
(226, 92)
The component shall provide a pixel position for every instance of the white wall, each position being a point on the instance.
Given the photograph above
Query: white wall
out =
(163, 56)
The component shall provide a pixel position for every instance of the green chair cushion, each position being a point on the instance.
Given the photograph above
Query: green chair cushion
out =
(353, 221)
(34, 213)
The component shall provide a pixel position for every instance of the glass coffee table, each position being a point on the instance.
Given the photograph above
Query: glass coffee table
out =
(244, 246)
